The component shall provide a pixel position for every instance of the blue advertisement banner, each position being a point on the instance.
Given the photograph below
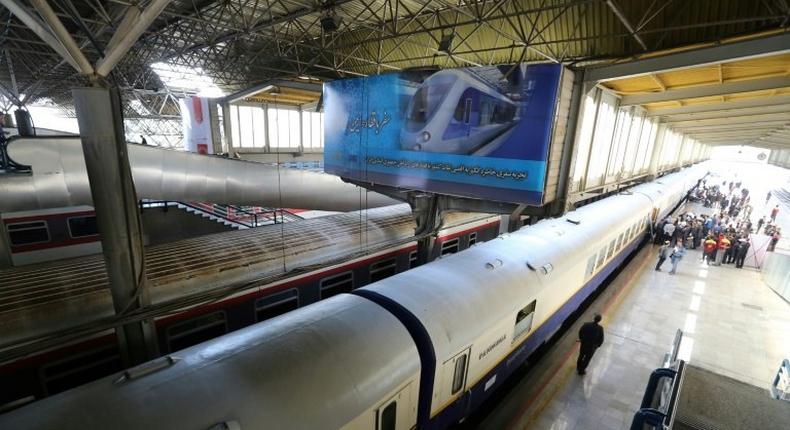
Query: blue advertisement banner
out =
(481, 132)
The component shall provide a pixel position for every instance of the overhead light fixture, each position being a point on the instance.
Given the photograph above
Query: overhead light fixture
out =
(446, 43)
(330, 22)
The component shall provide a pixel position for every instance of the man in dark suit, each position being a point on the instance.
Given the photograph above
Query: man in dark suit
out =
(591, 338)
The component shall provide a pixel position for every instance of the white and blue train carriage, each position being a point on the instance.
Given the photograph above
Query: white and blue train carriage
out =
(453, 112)
(421, 349)
(312, 369)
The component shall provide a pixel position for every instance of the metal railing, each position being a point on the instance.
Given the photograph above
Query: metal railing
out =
(246, 216)
(780, 388)
(7, 165)
(657, 407)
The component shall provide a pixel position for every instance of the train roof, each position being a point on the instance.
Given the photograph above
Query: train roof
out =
(76, 290)
(474, 288)
(310, 369)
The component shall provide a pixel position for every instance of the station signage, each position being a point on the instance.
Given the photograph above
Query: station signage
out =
(481, 132)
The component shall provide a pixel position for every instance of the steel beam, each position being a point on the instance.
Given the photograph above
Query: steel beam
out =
(752, 48)
(708, 91)
(306, 86)
(126, 40)
(624, 20)
(753, 125)
(63, 36)
(41, 30)
(117, 216)
(735, 114)
(723, 107)
(730, 119)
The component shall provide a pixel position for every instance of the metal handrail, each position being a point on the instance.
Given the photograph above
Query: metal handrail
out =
(251, 216)
(6, 163)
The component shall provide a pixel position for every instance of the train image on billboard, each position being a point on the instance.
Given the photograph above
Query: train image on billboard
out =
(456, 112)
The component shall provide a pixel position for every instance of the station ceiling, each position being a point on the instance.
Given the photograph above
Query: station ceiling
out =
(729, 102)
(239, 43)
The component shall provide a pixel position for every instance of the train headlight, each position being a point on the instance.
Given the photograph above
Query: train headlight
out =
(425, 136)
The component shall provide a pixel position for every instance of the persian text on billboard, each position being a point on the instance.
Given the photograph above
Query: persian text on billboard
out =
(481, 132)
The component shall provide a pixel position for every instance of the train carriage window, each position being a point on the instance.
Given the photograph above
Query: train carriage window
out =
(382, 269)
(620, 241)
(450, 246)
(472, 238)
(276, 304)
(610, 251)
(413, 260)
(337, 284)
(591, 264)
(26, 233)
(463, 109)
(601, 257)
(524, 320)
(80, 368)
(193, 331)
(81, 226)
(388, 417)
(459, 375)
(628, 234)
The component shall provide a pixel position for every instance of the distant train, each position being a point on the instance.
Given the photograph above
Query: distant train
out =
(419, 349)
(51, 234)
(455, 113)
(320, 258)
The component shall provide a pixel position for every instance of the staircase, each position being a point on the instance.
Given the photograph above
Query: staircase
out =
(234, 217)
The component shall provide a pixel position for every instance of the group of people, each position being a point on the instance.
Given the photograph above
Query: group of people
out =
(724, 236)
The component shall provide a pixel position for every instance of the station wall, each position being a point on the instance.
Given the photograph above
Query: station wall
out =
(619, 144)
(780, 158)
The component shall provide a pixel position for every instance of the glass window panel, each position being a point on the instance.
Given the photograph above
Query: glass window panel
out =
(245, 127)
(307, 139)
(602, 140)
(274, 141)
(259, 127)
(234, 125)
(633, 145)
(621, 139)
(585, 137)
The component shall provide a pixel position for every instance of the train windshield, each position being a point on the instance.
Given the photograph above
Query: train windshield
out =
(426, 100)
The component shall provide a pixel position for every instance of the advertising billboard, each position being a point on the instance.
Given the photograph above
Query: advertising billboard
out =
(480, 132)
(196, 125)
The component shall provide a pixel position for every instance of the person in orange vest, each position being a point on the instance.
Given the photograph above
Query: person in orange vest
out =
(774, 213)
(723, 246)
(709, 250)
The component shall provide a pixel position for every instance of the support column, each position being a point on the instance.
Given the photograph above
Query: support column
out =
(213, 117)
(115, 200)
(227, 126)
(425, 209)
(569, 149)
(5, 247)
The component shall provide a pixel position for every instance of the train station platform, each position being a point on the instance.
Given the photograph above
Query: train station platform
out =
(733, 324)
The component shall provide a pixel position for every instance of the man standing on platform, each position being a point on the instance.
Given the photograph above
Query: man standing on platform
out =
(591, 338)
(723, 245)
(677, 254)
(662, 255)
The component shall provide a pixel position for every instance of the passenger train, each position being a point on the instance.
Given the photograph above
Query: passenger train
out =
(51, 314)
(420, 349)
(455, 113)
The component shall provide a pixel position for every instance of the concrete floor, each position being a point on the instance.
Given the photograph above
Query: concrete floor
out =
(733, 324)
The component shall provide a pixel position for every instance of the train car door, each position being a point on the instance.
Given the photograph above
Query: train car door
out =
(455, 372)
(468, 115)
(397, 413)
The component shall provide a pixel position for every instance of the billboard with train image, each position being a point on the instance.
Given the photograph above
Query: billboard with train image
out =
(481, 132)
